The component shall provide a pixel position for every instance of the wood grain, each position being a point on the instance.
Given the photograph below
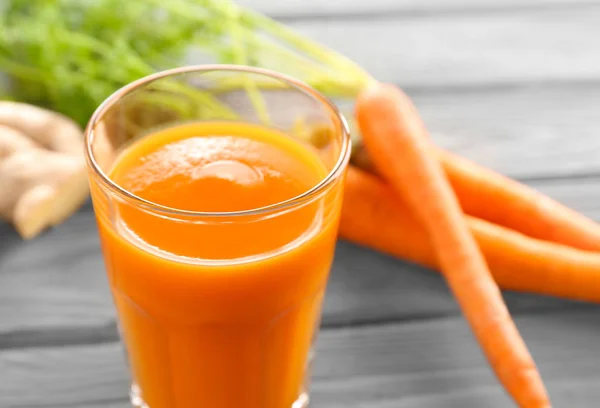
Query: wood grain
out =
(427, 364)
(56, 280)
(469, 50)
(53, 289)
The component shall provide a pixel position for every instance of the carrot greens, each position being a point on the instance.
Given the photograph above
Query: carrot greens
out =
(69, 55)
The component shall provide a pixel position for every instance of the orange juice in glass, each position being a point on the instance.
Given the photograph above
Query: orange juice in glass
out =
(218, 220)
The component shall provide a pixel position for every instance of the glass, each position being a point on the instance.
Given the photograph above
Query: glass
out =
(202, 329)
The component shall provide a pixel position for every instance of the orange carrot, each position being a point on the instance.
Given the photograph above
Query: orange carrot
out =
(486, 194)
(374, 216)
(396, 141)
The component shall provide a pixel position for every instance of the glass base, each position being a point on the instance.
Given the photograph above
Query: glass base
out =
(138, 402)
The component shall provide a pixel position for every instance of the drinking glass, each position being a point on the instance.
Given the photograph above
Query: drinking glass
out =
(217, 309)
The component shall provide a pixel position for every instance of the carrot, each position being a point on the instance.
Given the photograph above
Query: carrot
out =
(375, 217)
(396, 141)
(486, 194)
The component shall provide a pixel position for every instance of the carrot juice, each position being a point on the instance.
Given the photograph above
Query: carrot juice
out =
(218, 294)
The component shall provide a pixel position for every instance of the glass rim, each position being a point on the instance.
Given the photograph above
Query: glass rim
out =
(304, 197)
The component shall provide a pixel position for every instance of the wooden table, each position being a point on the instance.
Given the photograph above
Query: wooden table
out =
(512, 84)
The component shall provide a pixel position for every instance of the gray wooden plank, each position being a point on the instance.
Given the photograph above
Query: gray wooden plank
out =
(291, 9)
(428, 364)
(530, 132)
(53, 289)
(63, 267)
(36, 371)
(460, 50)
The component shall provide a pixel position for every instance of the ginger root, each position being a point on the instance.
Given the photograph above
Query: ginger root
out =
(42, 168)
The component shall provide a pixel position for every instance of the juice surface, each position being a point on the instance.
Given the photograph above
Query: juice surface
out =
(218, 167)
(218, 311)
